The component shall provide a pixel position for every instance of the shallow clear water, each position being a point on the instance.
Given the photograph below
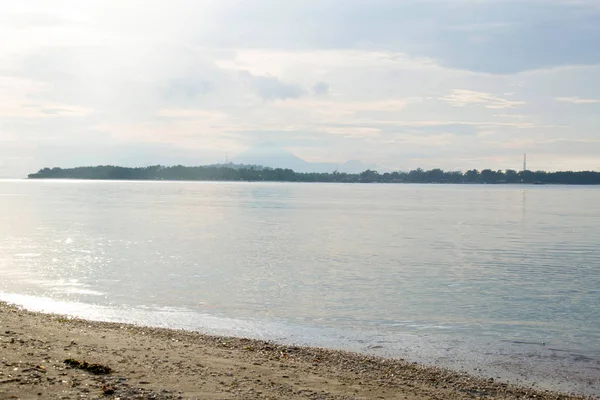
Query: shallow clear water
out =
(505, 279)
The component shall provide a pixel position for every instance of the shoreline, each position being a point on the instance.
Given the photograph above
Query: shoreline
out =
(304, 182)
(163, 363)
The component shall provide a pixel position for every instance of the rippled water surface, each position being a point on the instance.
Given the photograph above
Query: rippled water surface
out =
(505, 279)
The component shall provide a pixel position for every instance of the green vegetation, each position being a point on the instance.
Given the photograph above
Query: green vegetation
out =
(251, 173)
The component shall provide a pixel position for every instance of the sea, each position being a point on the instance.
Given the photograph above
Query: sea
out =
(501, 281)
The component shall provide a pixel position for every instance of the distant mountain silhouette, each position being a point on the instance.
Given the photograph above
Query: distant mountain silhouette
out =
(274, 156)
(271, 155)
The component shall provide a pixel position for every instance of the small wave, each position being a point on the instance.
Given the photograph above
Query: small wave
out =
(77, 290)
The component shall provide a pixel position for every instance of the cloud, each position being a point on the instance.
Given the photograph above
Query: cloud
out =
(501, 37)
(479, 27)
(577, 100)
(321, 88)
(351, 131)
(25, 20)
(272, 88)
(184, 91)
(462, 98)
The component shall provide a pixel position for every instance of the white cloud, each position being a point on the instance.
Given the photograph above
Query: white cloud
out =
(270, 87)
(577, 100)
(462, 98)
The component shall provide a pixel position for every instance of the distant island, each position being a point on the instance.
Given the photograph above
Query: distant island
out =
(250, 173)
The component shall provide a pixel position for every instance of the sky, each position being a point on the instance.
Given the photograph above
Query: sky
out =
(455, 84)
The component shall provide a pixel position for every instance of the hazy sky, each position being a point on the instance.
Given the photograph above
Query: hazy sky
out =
(455, 84)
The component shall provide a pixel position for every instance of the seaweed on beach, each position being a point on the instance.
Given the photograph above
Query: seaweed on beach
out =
(108, 390)
(96, 369)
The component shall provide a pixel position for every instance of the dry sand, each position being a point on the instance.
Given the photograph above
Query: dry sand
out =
(152, 363)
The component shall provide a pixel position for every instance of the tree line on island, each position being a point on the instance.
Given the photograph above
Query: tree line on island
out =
(256, 173)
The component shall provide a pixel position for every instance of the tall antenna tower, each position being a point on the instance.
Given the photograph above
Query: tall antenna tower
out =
(524, 162)
(226, 158)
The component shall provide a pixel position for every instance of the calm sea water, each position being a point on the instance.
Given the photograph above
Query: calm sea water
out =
(498, 280)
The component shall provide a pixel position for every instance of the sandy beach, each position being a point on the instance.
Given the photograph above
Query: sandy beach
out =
(56, 357)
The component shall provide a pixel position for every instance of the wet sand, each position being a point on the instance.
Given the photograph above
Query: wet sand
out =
(154, 363)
